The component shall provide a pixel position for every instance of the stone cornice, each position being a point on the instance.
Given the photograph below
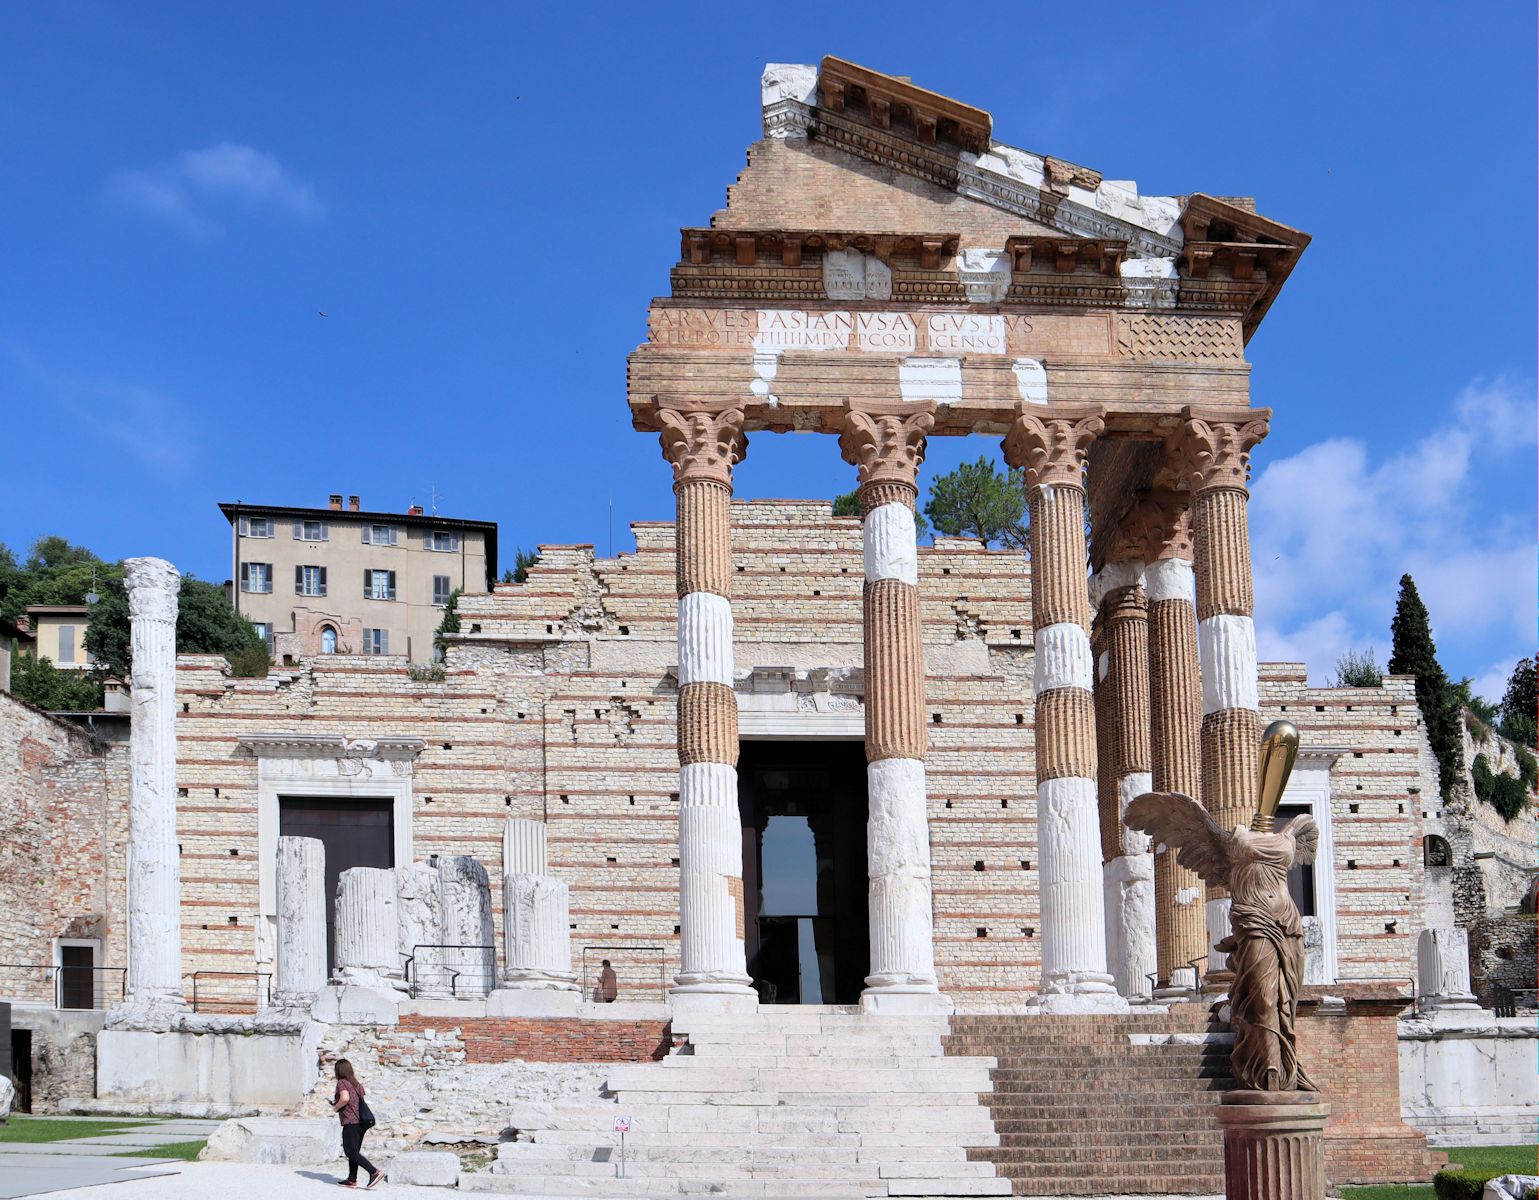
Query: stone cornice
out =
(885, 99)
(326, 745)
(886, 443)
(745, 247)
(702, 440)
(1051, 446)
(1212, 448)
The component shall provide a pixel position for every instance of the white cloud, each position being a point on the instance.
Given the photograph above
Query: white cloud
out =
(1332, 531)
(197, 186)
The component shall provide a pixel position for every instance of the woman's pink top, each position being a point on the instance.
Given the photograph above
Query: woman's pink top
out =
(349, 1111)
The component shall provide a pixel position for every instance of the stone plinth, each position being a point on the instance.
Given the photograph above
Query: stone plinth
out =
(1273, 1145)
(301, 922)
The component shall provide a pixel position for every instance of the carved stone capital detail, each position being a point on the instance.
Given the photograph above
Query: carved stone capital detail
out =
(886, 447)
(1157, 525)
(1052, 449)
(1214, 452)
(702, 441)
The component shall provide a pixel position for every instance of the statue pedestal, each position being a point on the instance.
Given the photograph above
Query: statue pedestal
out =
(1273, 1145)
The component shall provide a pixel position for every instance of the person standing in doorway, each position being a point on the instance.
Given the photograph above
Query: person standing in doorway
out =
(348, 1103)
(608, 985)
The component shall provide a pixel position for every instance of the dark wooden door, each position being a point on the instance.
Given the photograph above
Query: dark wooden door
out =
(356, 833)
(77, 977)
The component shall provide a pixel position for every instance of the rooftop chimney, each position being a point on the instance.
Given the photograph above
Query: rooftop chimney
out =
(352, 504)
(336, 501)
(414, 511)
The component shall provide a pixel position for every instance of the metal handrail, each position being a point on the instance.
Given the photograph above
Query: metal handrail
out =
(1197, 972)
(454, 975)
(53, 976)
(259, 976)
(662, 964)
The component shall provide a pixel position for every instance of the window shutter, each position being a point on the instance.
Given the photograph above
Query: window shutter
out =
(299, 530)
(390, 577)
(299, 581)
(367, 531)
(244, 525)
(325, 532)
(323, 581)
(395, 534)
(368, 584)
(384, 641)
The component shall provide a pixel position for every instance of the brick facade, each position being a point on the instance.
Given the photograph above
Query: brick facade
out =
(494, 1040)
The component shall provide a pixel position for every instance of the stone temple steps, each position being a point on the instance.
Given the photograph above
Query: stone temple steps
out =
(1103, 1105)
(814, 1101)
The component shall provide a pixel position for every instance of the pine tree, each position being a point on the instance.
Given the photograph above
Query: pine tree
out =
(1414, 653)
(1520, 706)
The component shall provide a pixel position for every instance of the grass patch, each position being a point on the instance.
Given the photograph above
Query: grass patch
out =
(186, 1151)
(45, 1129)
(1499, 1160)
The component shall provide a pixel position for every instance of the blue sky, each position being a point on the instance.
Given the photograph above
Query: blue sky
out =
(483, 198)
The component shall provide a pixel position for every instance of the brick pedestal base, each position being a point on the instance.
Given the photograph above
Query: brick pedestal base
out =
(1274, 1147)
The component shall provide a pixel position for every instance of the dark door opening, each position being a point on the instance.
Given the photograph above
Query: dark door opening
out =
(803, 806)
(21, 1068)
(77, 977)
(356, 833)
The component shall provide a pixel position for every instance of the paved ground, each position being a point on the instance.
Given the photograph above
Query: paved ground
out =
(239, 1181)
(39, 1168)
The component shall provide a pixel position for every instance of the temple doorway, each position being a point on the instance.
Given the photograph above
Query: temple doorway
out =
(803, 806)
(355, 833)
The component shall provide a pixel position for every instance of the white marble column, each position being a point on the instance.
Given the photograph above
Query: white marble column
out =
(301, 922)
(1443, 968)
(420, 929)
(367, 929)
(703, 441)
(154, 870)
(467, 900)
(536, 914)
(887, 448)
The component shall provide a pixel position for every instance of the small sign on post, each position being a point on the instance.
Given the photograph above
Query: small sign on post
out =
(622, 1127)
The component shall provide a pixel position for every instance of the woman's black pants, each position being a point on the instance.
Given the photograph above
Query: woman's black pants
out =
(352, 1146)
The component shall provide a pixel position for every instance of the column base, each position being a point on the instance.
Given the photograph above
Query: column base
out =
(343, 1002)
(905, 1000)
(1274, 1146)
(1079, 992)
(537, 981)
(152, 1014)
(689, 1007)
(533, 1002)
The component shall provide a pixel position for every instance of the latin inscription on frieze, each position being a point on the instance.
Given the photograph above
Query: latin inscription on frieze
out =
(885, 331)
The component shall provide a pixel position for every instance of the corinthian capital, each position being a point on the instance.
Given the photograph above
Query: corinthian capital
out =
(1052, 448)
(886, 445)
(703, 441)
(1157, 525)
(1213, 451)
(153, 586)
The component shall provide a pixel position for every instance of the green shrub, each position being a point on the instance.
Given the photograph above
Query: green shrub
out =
(1528, 767)
(426, 673)
(1462, 1184)
(1359, 669)
(1507, 794)
(250, 661)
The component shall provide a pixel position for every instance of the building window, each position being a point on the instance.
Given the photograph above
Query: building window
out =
(1301, 879)
(328, 640)
(256, 577)
(264, 630)
(379, 585)
(256, 527)
(376, 641)
(380, 535)
(311, 531)
(441, 590)
(66, 644)
(440, 539)
(309, 581)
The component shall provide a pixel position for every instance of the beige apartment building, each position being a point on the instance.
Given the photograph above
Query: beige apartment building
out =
(340, 580)
(57, 633)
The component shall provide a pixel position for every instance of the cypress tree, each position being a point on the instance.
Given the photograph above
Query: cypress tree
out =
(1414, 653)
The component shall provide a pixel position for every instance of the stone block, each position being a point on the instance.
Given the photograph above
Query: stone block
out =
(276, 1140)
(532, 1002)
(426, 1168)
(232, 1069)
(354, 1004)
(883, 1003)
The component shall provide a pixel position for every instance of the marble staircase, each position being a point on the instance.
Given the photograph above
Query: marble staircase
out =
(810, 1101)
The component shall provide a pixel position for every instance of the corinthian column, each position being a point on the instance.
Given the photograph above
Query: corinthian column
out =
(1212, 454)
(703, 442)
(886, 444)
(1122, 733)
(1052, 449)
(154, 985)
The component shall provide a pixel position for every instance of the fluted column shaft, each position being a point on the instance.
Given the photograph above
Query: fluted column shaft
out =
(154, 870)
(301, 922)
(703, 442)
(1175, 696)
(1212, 452)
(1052, 453)
(887, 446)
(1123, 677)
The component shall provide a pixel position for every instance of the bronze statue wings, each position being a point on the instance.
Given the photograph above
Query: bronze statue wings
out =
(1306, 838)
(1183, 825)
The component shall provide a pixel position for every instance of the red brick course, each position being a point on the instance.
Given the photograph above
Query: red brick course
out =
(495, 1039)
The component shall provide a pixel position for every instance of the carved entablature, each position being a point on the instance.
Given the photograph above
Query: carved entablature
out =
(1212, 449)
(703, 441)
(746, 247)
(889, 102)
(886, 444)
(1234, 260)
(329, 746)
(1051, 449)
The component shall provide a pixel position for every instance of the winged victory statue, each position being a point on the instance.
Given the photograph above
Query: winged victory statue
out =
(1266, 941)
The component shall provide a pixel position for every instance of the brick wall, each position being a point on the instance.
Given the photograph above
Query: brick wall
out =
(495, 1039)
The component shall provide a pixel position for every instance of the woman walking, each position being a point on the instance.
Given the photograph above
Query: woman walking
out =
(348, 1103)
